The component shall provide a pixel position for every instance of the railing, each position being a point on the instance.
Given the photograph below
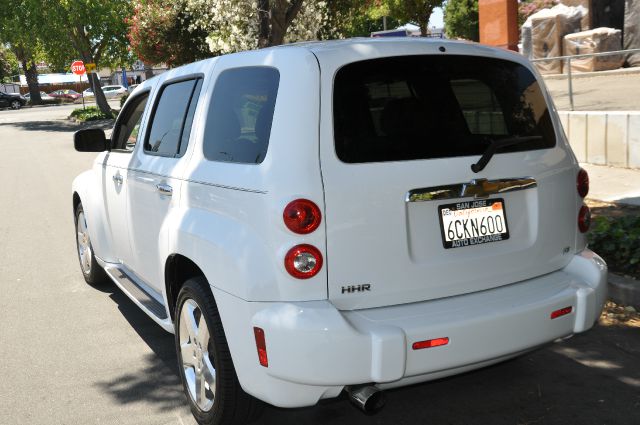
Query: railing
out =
(568, 59)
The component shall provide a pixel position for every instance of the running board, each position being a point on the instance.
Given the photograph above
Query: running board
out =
(136, 290)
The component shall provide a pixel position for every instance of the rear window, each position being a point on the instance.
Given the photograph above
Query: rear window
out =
(424, 107)
(240, 115)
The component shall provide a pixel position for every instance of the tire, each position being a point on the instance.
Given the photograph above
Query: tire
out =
(93, 274)
(208, 376)
(16, 104)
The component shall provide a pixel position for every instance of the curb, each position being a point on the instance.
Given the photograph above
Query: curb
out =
(624, 291)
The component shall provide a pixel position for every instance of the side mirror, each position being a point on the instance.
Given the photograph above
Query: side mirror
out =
(90, 140)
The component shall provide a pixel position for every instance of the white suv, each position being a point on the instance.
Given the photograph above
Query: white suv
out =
(353, 215)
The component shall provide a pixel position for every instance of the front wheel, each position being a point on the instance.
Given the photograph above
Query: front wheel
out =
(16, 104)
(208, 375)
(91, 271)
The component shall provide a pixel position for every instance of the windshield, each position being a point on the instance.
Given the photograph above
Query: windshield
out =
(424, 107)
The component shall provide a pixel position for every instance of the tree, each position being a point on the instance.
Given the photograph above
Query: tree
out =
(418, 11)
(235, 25)
(461, 19)
(21, 35)
(96, 30)
(8, 64)
(162, 31)
(357, 18)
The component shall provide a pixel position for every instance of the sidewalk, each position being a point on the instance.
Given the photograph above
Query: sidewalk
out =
(612, 184)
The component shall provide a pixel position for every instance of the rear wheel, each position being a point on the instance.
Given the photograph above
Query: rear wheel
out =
(91, 271)
(16, 104)
(208, 375)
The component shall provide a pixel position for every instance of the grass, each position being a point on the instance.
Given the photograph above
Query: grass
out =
(90, 113)
(617, 240)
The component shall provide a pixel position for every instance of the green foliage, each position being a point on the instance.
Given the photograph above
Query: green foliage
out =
(416, 11)
(123, 99)
(90, 113)
(357, 18)
(8, 65)
(617, 240)
(159, 31)
(461, 19)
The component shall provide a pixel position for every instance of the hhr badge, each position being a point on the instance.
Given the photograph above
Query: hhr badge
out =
(356, 288)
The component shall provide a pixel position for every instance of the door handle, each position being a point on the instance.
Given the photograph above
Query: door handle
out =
(117, 178)
(164, 189)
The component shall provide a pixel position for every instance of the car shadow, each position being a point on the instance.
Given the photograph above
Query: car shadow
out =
(592, 378)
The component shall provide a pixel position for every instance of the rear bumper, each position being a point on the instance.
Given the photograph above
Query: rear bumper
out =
(314, 350)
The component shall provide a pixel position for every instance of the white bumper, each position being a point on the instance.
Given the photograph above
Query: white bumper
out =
(314, 350)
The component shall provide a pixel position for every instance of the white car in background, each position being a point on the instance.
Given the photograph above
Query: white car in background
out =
(109, 91)
(353, 215)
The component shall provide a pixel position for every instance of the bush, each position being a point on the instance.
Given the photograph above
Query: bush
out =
(90, 113)
(123, 99)
(617, 240)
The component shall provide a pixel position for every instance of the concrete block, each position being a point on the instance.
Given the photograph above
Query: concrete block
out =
(617, 139)
(596, 138)
(578, 135)
(634, 140)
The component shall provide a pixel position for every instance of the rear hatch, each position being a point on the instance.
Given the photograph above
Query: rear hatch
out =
(407, 219)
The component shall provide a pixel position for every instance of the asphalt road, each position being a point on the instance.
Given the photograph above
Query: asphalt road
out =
(71, 354)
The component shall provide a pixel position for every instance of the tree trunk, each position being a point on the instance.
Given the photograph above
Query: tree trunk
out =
(101, 100)
(264, 14)
(31, 74)
(148, 71)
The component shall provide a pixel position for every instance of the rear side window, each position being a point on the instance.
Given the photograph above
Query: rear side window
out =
(241, 114)
(424, 107)
(172, 118)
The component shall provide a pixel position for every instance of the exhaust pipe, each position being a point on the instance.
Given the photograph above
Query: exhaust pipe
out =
(366, 397)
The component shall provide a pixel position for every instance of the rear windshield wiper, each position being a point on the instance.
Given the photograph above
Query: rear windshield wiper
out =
(497, 144)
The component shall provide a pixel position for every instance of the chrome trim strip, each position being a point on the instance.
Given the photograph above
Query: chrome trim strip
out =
(477, 188)
(221, 186)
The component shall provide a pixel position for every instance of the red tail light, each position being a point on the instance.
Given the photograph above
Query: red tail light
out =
(561, 312)
(430, 343)
(261, 345)
(302, 216)
(303, 261)
(582, 183)
(584, 219)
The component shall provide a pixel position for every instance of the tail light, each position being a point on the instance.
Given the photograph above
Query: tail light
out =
(303, 261)
(582, 183)
(584, 219)
(302, 216)
(261, 345)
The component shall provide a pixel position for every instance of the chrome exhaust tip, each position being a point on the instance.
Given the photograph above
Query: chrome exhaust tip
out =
(367, 398)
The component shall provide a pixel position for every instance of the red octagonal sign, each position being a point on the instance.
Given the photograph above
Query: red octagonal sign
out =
(77, 67)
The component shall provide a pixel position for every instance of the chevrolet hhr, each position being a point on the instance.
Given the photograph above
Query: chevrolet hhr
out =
(352, 215)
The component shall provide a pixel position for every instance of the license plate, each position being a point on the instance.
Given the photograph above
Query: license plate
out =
(473, 222)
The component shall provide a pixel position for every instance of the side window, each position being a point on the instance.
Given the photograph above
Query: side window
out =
(240, 115)
(172, 118)
(125, 135)
(480, 107)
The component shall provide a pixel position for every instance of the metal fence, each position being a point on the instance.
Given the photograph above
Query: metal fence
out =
(567, 63)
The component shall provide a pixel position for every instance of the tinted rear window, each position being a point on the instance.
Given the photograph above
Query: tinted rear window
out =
(240, 115)
(424, 107)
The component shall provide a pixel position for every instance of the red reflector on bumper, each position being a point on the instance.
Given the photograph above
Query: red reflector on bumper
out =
(561, 312)
(261, 345)
(430, 343)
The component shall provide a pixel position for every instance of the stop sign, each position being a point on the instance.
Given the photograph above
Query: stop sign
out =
(77, 67)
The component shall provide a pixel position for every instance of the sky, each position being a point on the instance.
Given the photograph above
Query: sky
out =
(437, 19)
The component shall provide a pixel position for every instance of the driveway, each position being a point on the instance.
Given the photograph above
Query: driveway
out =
(72, 354)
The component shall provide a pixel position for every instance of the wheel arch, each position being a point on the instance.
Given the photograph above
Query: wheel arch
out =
(177, 270)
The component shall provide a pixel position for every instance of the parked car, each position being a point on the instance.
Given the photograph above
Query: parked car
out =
(353, 215)
(132, 87)
(12, 100)
(109, 91)
(44, 97)
(65, 94)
